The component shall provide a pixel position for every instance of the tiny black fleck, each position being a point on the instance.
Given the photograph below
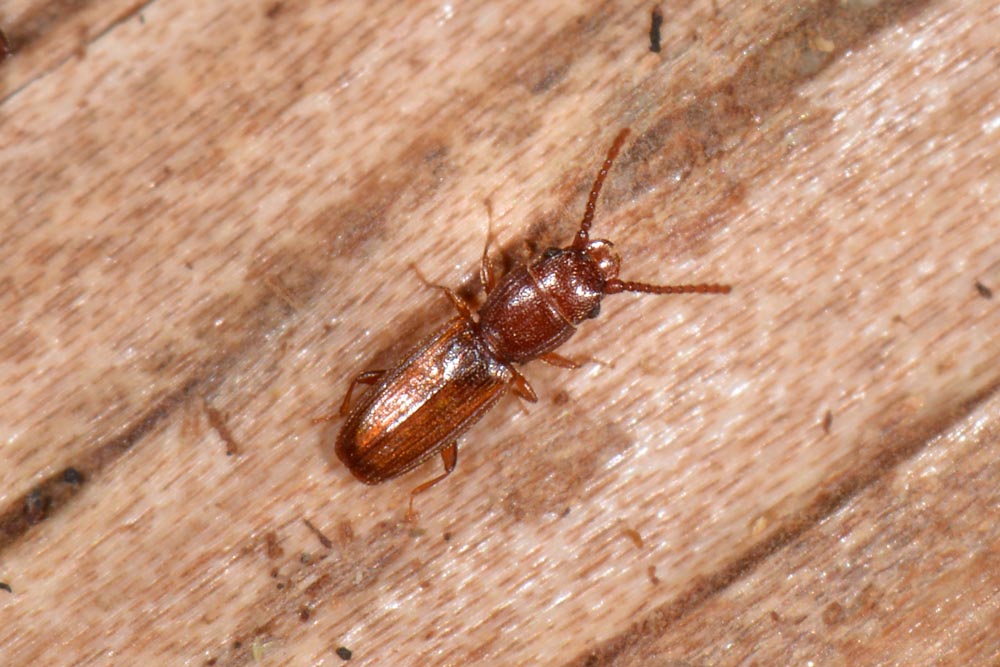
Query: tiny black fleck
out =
(36, 506)
(344, 653)
(654, 30)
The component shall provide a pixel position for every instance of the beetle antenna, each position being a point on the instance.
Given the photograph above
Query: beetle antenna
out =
(616, 286)
(583, 236)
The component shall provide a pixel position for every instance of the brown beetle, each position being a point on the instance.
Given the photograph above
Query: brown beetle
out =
(450, 380)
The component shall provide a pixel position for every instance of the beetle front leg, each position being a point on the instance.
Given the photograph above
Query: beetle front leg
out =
(521, 387)
(461, 305)
(553, 359)
(449, 455)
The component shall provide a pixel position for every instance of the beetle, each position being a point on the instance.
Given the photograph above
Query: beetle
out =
(448, 382)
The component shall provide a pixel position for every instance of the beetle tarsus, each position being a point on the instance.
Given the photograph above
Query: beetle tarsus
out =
(449, 456)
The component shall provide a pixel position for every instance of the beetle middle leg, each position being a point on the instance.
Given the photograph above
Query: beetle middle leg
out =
(449, 455)
(368, 377)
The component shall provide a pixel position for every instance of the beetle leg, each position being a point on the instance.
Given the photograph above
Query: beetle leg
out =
(486, 275)
(522, 389)
(449, 455)
(553, 359)
(368, 377)
(461, 305)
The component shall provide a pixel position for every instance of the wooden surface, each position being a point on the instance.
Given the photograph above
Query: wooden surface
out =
(209, 214)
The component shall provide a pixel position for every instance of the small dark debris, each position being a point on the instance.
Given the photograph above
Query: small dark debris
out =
(984, 291)
(237, 644)
(634, 536)
(344, 653)
(447, 536)
(5, 586)
(833, 614)
(827, 421)
(5, 48)
(304, 614)
(36, 506)
(318, 587)
(565, 513)
(274, 9)
(654, 30)
(651, 573)
(271, 546)
(323, 539)
(305, 558)
(218, 422)
(346, 532)
(72, 476)
(211, 662)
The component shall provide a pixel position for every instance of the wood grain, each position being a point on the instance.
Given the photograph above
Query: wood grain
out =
(210, 214)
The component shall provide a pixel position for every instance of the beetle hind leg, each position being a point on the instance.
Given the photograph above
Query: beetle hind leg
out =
(449, 455)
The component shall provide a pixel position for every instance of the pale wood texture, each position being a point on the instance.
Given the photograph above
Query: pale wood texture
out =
(209, 214)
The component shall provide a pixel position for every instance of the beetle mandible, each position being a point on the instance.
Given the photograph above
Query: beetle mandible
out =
(452, 378)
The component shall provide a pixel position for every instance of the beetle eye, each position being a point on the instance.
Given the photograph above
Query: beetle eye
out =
(595, 311)
(551, 252)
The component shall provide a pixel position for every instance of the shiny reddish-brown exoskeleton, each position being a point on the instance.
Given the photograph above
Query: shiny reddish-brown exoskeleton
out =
(450, 380)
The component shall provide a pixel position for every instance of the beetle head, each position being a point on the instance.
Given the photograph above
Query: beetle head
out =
(608, 262)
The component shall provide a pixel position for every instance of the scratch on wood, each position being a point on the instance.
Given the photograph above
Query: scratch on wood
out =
(53, 493)
(323, 539)
(218, 423)
(272, 545)
(899, 442)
